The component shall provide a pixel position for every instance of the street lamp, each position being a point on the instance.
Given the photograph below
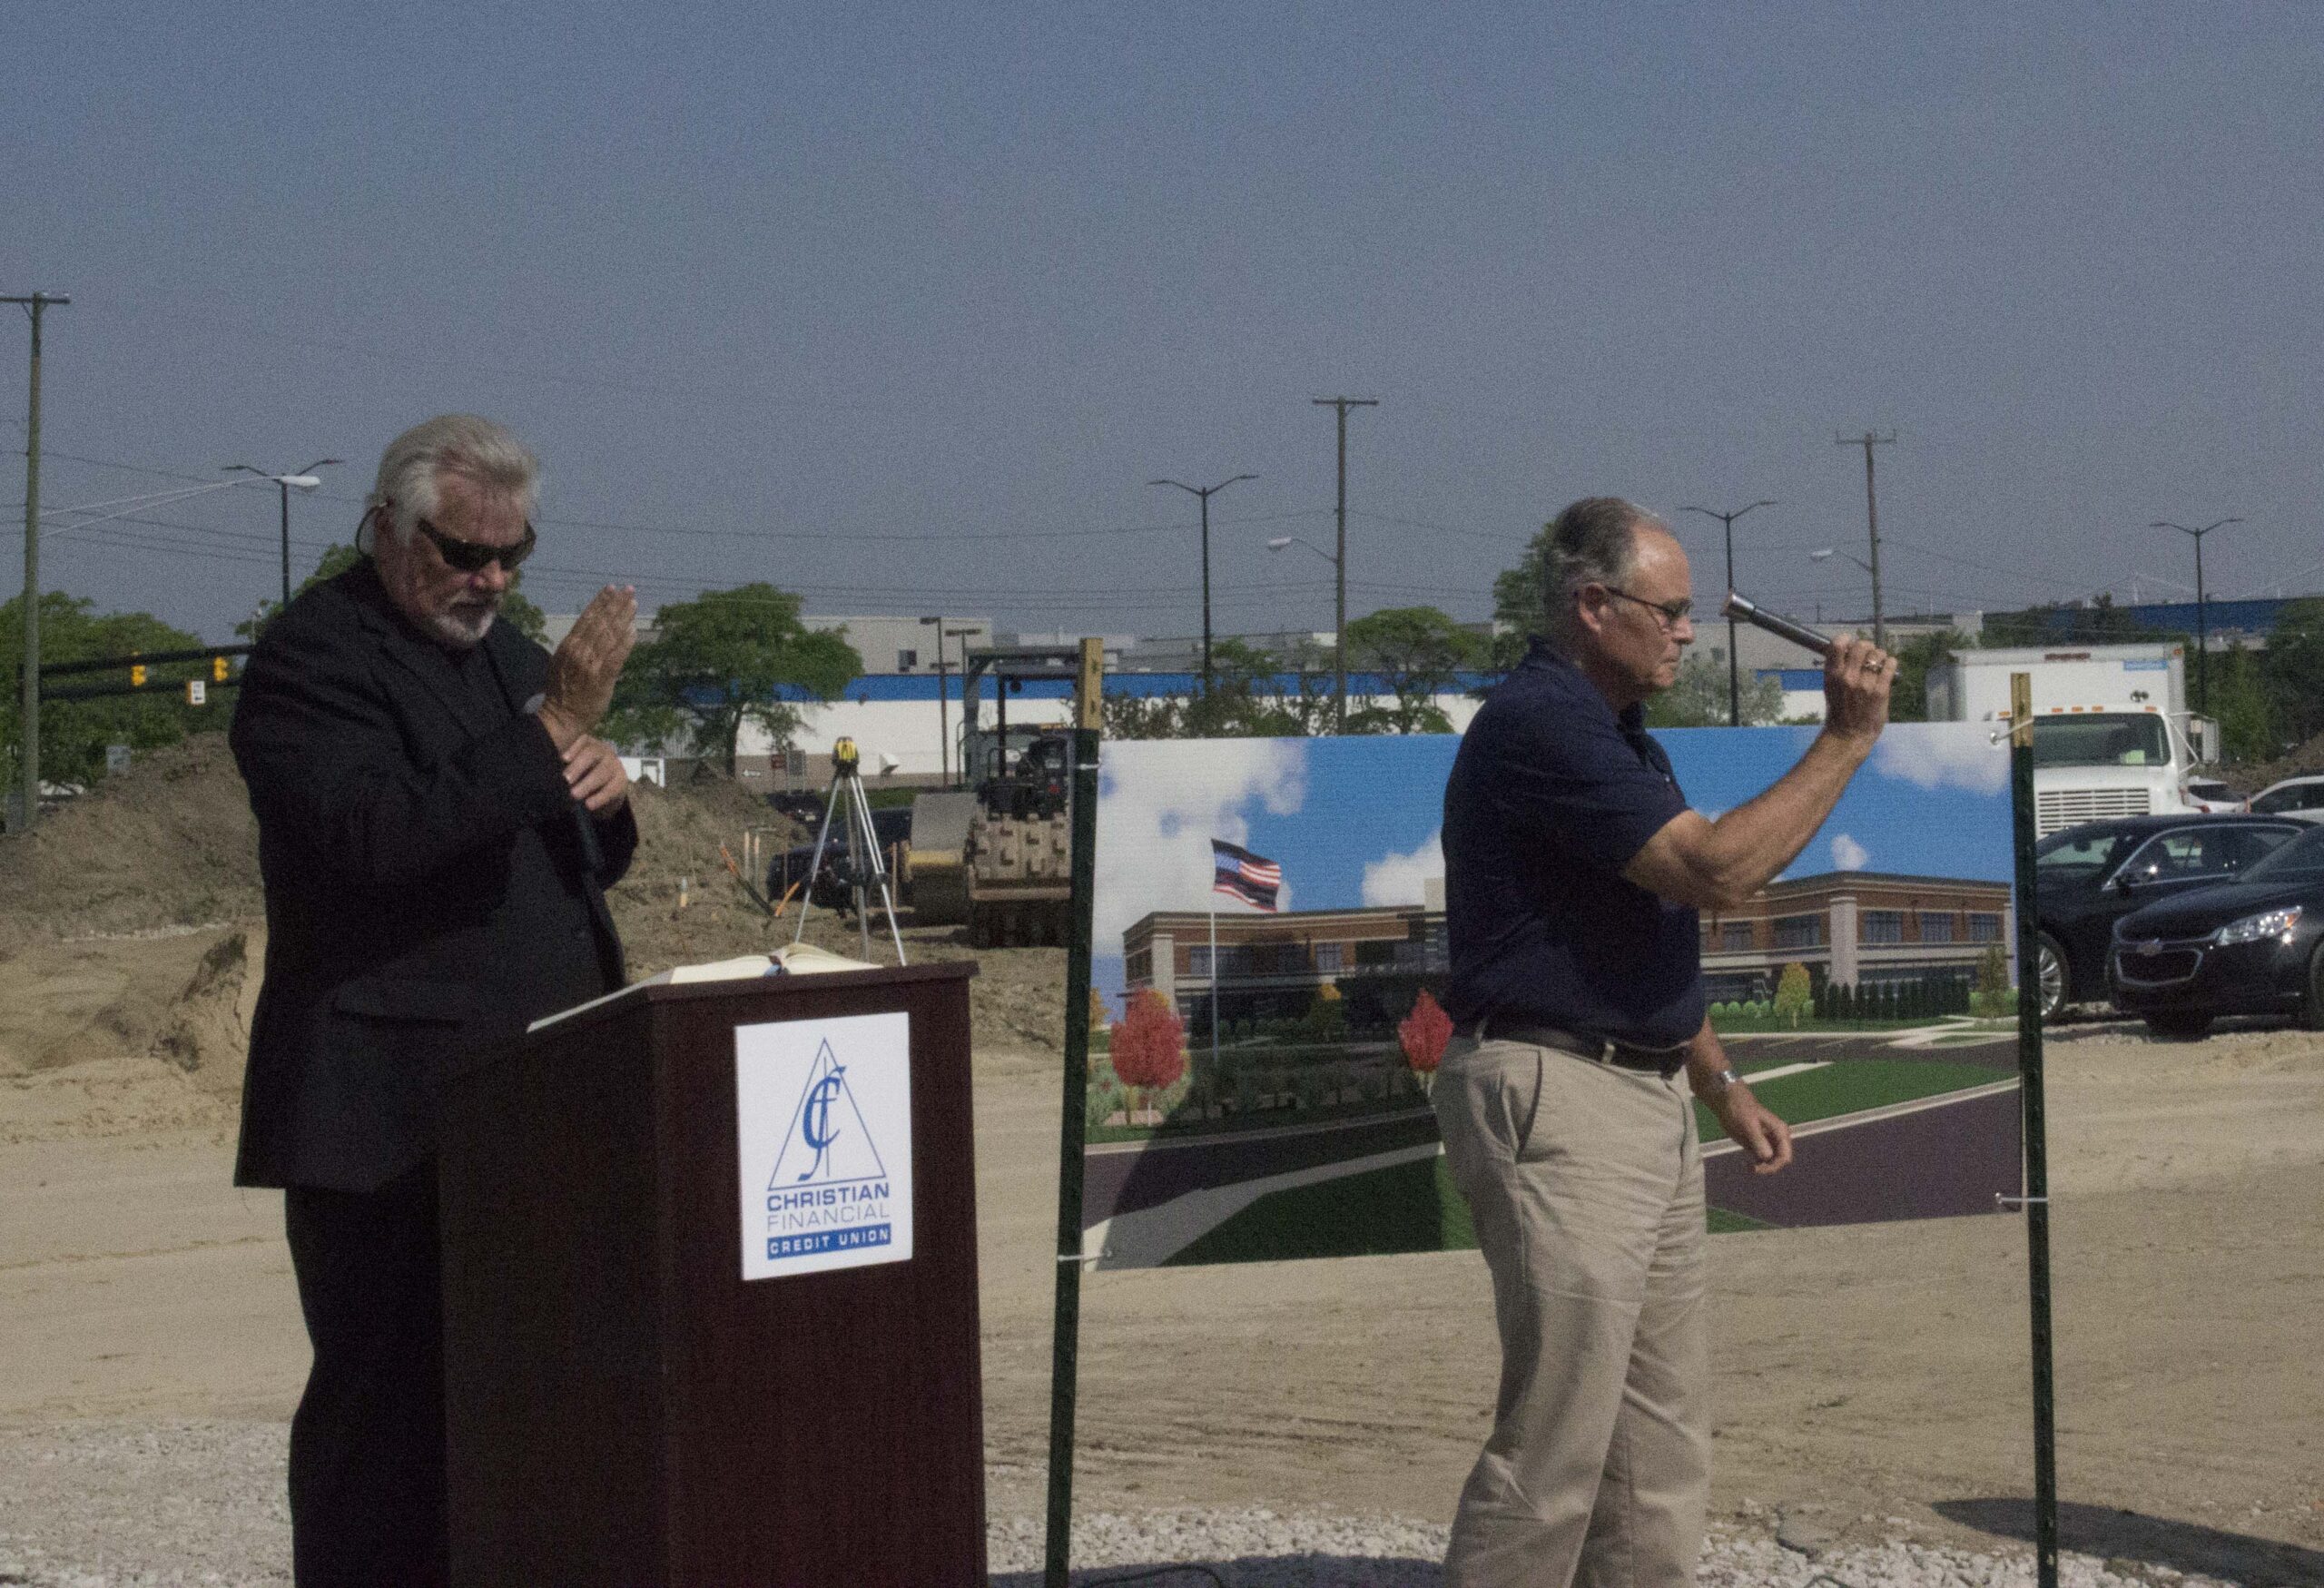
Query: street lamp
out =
(1734, 670)
(944, 692)
(2202, 628)
(1203, 496)
(304, 479)
(1880, 629)
(943, 709)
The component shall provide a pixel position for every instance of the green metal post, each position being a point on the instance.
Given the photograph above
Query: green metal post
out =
(1066, 1347)
(2037, 1161)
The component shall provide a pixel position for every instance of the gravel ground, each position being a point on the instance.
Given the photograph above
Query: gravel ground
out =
(172, 1505)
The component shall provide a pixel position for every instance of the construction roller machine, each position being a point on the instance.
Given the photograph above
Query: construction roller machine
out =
(997, 855)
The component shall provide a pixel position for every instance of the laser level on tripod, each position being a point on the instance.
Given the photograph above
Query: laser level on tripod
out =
(862, 869)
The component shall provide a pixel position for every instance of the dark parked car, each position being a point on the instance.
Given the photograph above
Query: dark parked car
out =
(2251, 946)
(2087, 878)
(835, 885)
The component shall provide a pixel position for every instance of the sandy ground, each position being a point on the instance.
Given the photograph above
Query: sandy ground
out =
(1865, 1373)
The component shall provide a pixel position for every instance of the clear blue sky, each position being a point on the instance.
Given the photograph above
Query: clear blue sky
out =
(777, 282)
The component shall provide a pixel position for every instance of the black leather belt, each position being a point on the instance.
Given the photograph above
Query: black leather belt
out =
(1662, 1062)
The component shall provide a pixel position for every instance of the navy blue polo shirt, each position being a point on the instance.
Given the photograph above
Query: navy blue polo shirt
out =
(1551, 795)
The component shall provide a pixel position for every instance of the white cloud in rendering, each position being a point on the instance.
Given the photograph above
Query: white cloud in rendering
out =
(1848, 854)
(1403, 878)
(1943, 754)
(1164, 801)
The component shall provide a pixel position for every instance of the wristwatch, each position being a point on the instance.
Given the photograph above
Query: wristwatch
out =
(1725, 1078)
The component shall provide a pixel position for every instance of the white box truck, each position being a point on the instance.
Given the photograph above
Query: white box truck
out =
(2111, 733)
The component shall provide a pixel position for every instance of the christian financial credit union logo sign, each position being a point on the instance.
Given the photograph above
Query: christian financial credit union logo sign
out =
(823, 1115)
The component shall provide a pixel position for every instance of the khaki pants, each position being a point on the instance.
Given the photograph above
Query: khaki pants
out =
(1586, 1186)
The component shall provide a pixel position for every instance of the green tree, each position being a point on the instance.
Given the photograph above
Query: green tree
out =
(1518, 605)
(1916, 659)
(2294, 666)
(2245, 706)
(1993, 978)
(1795, 993)
(1699, 698)
(1419, 652)
(731, 658)
(74, 733)
(1254, 694)
(515, 608)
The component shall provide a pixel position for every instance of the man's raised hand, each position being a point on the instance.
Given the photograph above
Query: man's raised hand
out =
(588, 663)
(1857, 676)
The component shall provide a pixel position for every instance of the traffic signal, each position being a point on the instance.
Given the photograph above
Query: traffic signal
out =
(137, 675)
(217, 669)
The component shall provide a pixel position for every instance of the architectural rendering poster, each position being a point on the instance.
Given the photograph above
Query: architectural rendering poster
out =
(1270, 947)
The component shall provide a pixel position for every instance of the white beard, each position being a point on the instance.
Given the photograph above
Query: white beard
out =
(462, 630)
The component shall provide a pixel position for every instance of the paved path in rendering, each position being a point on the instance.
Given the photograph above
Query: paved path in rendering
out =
(1123, 1177)
(1935, 1157)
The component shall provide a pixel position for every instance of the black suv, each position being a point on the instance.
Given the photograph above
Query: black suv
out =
(835, 886)
(2087, 878)
(2251, 946)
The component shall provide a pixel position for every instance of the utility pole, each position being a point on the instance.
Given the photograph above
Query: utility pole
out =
(1868, 440)
(1734, 670)
(1339, 564)
(2202, 628)
(30, 753)
(943, 709)
(1205, 496)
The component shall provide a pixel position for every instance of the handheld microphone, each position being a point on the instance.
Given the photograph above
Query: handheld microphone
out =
(1798, 633)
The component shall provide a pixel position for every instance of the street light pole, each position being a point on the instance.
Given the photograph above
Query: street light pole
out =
(963, 635)
(1203, 496)
(1339, 563)
(29, 735)
(1734, 669)
(305, 480)
(943, 709)
(2202, 627)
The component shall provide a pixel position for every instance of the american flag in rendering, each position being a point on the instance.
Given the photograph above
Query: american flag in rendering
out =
(1252, 878)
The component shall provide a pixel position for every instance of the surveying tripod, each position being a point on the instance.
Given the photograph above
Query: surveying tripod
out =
(867, 868)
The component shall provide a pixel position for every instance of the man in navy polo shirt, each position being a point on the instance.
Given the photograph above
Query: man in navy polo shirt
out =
(1573, 872)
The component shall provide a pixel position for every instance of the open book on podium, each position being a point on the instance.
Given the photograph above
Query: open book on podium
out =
(798, 958)
(710, 1286)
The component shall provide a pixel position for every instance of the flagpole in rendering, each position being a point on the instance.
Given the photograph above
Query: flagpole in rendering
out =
(1214, 984)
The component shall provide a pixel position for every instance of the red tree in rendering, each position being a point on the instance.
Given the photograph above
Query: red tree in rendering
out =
(1423, 1033)
(1149, 1046)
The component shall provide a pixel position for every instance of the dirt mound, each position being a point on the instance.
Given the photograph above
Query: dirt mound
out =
(170, 843)
(208, 1030)
(679, 905)
(68, 1002)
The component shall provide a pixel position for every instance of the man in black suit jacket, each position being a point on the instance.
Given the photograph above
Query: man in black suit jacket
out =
(436, 828)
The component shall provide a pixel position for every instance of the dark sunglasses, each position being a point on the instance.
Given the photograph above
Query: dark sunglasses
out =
(472, 556)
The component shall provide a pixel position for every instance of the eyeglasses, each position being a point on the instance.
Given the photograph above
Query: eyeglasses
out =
(472, 556)
(1671, 613)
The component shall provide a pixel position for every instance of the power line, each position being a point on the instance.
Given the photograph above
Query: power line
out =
(1410, 523)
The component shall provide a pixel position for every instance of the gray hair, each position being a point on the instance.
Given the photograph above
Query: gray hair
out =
(1593, 542)
(462, 443)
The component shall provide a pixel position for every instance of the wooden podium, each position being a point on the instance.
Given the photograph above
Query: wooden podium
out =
(624, 1408)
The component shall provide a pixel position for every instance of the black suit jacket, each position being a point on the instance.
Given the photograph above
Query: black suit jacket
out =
(431, 886)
